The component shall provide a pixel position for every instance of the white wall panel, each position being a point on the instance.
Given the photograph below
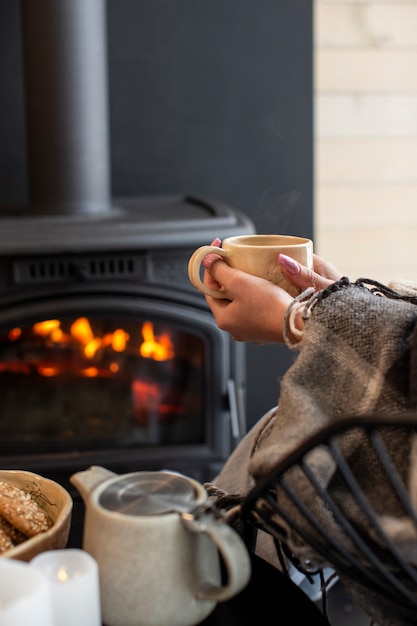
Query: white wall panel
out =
(365, 108)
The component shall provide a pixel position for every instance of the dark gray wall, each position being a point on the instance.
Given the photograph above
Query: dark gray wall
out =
(212, 97)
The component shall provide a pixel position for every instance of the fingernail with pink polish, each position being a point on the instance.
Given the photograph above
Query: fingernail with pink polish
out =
(208, 260)
(216, 242)
(289, 264)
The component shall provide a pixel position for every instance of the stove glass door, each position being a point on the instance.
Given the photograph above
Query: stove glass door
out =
(83, 380)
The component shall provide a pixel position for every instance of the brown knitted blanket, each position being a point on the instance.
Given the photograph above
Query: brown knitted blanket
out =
(357, 357)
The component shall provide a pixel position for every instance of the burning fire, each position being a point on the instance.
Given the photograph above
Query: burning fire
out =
(81, 335)
(157, 348)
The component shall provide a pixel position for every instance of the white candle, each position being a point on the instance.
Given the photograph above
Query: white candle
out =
(74, 583)
(24, 595)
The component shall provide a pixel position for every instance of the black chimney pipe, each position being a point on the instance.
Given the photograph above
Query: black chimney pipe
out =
(70, 207)
(65, 65)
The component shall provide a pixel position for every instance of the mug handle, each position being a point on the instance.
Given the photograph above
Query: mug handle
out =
(233, 551)
(194, 266)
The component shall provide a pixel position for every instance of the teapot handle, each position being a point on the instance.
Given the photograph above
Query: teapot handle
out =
(232, 550)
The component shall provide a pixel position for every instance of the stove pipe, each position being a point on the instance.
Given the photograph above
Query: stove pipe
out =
(65, 66)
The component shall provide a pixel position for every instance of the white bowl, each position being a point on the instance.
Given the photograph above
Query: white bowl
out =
(56, 502)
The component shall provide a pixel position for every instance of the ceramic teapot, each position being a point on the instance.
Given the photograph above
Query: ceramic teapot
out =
(158, 543)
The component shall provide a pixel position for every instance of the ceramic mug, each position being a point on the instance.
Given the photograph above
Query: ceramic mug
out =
(159, 547)
(256, 255)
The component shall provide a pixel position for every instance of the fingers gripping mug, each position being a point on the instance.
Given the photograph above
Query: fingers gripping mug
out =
(256, 255)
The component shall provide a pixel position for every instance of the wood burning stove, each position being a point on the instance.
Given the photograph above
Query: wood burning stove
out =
(107, 353)
(110, 356)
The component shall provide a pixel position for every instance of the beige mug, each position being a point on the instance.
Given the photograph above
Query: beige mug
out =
(256, 255)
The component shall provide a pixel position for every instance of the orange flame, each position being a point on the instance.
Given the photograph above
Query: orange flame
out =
(156, 348)
(46, 327)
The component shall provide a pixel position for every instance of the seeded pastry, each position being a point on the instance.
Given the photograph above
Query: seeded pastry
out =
(14, 535)
(5, 542)
(21, 511)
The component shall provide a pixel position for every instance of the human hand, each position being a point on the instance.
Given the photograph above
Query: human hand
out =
(256, 313)
(320, 277)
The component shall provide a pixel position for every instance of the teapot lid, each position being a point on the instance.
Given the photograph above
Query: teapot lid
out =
(149, 493)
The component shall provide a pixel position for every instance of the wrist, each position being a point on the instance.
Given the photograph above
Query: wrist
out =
(294, 326)
(294, 319)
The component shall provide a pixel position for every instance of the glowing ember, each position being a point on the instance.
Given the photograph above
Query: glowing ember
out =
(48, 371)
(91, 372)
(14, 334)
(146, 394)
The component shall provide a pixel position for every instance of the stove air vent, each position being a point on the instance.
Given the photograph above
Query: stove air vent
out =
(46, 270)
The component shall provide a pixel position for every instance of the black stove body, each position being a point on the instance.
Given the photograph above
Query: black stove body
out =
(108, 355)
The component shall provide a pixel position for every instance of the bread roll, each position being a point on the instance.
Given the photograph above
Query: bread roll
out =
(22, 511)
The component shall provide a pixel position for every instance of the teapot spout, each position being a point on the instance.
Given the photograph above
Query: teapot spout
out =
(87, 480)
